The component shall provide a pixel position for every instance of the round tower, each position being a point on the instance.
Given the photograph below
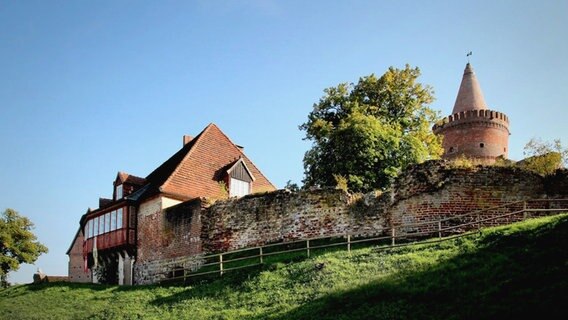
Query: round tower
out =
(472, 130)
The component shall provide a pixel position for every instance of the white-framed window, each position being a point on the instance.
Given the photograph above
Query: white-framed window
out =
(119, 219)
(87, 229)
(107, 222)
(239, 188)
(96, 226)
(102, 224)
(113, 221)
(118, 192)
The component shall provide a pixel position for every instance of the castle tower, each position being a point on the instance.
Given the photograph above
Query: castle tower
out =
(473, 130)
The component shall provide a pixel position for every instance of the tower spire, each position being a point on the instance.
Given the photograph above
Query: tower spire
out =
(469, 96)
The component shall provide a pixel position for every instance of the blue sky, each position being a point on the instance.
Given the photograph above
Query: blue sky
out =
(88, 88)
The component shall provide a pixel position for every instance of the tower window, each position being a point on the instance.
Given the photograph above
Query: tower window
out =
(451, 149)
(504, 149)
(481, 145)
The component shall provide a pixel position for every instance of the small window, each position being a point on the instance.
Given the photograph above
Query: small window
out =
(87, 228)
(504, 149)
(451, 149)
(102, 224)
(239, 188)
(113, 221)
(119, 219)
(107, 222)
(481, 145)
(96, 226)
(118, 192)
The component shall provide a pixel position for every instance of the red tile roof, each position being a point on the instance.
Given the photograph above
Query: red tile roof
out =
(124, 177)
(199, 167)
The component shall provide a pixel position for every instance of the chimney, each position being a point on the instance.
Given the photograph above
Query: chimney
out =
(187, 139)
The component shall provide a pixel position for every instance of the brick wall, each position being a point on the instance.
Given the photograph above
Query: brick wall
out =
(284, 216)
(435, 190)
(480, 134)
(76, 263)
(167, 238)
(180, 235)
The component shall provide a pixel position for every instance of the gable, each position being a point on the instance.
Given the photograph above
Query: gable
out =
(240, 171)
(203, 169)
(77, 240)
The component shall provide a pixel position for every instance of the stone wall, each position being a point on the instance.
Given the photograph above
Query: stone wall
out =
(167, 239)
(436, 190)
(179, 236)
(284, 216)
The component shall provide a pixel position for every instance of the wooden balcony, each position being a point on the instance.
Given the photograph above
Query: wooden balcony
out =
(113, 239)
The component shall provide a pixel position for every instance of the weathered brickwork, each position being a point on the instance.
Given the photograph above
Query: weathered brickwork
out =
(283, 216)
(76, 263)
(478, 134)
(167, 238)
(179, 236)
(434, 191)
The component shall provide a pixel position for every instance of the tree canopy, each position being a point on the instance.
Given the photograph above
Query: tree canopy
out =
(18, 244)
(544, 157)
(365, 133)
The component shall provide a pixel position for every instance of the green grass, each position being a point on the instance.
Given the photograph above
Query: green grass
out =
(513, 271)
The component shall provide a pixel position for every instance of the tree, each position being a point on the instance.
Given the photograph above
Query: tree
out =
(17, 243)
(367, 132)
(292, 186)
(544, 157)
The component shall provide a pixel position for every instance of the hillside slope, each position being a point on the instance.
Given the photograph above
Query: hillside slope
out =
(504, 272)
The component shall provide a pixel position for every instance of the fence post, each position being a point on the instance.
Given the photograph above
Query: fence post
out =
(525, 210)
(440, 229)
(261, 260)
(308, 247)
(221, 264)
(348, 243)
(393, 236)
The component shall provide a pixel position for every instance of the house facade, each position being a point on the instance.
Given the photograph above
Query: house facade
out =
(113, 239)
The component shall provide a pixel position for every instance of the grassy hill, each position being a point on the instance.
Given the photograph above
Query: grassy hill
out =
(513, 271)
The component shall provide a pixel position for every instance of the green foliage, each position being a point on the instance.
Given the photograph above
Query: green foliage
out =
(497, 273)
(462, 162)
(341, 182)
(18, 244)
(224, 189)
(367, 132)
(292, 186)
(544, 157)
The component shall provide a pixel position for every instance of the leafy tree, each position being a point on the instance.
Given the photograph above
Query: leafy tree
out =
(367, 132)
(544, 157)
(17, 243)
(292, 186)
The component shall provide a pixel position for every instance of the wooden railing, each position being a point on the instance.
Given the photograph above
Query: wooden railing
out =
(431, 231)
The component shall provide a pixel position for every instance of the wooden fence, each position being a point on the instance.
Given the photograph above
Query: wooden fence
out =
(397, 235)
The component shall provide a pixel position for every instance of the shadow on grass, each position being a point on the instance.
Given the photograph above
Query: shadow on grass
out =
(504, 277)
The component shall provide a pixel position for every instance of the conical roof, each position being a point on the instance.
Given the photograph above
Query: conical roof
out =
(469, 96)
